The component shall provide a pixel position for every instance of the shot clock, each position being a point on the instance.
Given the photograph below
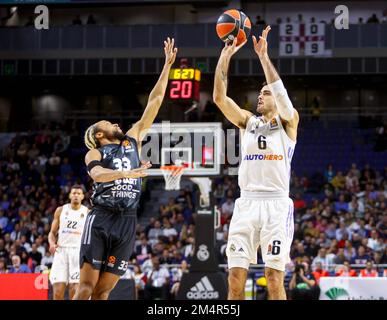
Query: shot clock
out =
(184, 84)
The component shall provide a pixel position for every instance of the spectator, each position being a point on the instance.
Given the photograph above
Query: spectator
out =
(47, 260)
(179, 223)
(3, 266)
(369, 271)
(299, 251)
(340, 257)
(342, 231)
(351, 181)
(228, 206)
(140, 281)
(303, 284)
(91, 20)
(341, 204)
(16, 233)
(322, 258)
(349, 250)
(5, 203)
(338, 181)
(345, 270)
(77, 20)
(315, 108)
(165, 257)
(168, 229)
(155, 232)
(182, 199)
(299, 203)
(24, 243)
(179, 272)
(381, 227)
(361, 257)
(329, 173)
(157, 286)
(311, 230)
(40, 247)
(33, 152)
(3, 220)
(323, 241)
(3, 250)
(384, 19)
(17, 267)
(35, 255)
(373, 241)
(319, 272)
(143, 249)
(259, 21)
(373, 19)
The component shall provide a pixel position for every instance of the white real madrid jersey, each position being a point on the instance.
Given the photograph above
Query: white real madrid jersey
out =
(266, 156)
(71, 226)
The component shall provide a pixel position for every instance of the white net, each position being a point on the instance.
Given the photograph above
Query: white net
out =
(172, 176)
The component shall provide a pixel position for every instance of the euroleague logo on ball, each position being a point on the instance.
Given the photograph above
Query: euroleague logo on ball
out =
(233, 24)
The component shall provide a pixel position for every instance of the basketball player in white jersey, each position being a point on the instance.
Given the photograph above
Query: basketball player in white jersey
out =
(65, 241)
(263, 215)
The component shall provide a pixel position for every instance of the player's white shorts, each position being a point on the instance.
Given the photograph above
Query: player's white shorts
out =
(65, 267)
(260, 221)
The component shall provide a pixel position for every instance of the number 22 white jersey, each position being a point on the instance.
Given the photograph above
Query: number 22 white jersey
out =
(267, 152)
(71, 225)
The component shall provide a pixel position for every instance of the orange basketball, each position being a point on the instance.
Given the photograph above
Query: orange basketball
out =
(233, 23)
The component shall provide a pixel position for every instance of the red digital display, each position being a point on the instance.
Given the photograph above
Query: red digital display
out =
(184, 84)
(181, 89)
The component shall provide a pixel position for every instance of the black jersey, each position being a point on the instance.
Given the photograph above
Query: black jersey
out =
(122, 194)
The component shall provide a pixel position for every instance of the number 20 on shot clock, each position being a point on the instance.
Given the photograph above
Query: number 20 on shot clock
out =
(184, 84)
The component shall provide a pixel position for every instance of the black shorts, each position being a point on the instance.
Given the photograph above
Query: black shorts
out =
(108, 240)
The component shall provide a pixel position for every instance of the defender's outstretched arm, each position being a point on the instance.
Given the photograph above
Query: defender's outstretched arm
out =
(141, 127)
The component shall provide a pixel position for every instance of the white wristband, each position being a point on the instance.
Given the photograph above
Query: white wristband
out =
(284, 105)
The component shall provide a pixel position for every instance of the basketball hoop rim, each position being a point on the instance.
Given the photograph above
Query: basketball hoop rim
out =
(174, 167)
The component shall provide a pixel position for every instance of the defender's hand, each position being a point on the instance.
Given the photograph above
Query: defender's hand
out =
(145, 165)
(231, 47)
(170, 51)
(260, 47)
(138, 172)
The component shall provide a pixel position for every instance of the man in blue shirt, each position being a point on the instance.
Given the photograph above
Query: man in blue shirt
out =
(17, 267)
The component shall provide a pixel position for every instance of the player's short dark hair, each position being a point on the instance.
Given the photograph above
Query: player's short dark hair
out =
(77, 186)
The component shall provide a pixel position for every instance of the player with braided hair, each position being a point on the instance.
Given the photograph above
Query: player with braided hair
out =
(114, 164)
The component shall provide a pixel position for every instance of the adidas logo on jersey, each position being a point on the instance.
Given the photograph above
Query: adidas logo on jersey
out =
(203, 289)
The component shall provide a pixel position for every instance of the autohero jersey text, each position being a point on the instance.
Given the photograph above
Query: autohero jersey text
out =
(250, 157)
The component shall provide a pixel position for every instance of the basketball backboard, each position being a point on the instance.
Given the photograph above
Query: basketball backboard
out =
(198, 144)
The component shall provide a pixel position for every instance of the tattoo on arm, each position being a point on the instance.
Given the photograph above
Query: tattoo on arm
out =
(224, 78)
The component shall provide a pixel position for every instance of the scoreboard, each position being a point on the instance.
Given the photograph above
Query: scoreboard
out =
(302, 39)
(184, 84)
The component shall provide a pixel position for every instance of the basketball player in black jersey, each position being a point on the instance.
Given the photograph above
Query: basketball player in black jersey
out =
(113, 163)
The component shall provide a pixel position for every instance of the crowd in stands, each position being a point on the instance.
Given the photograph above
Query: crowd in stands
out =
(340, 219)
